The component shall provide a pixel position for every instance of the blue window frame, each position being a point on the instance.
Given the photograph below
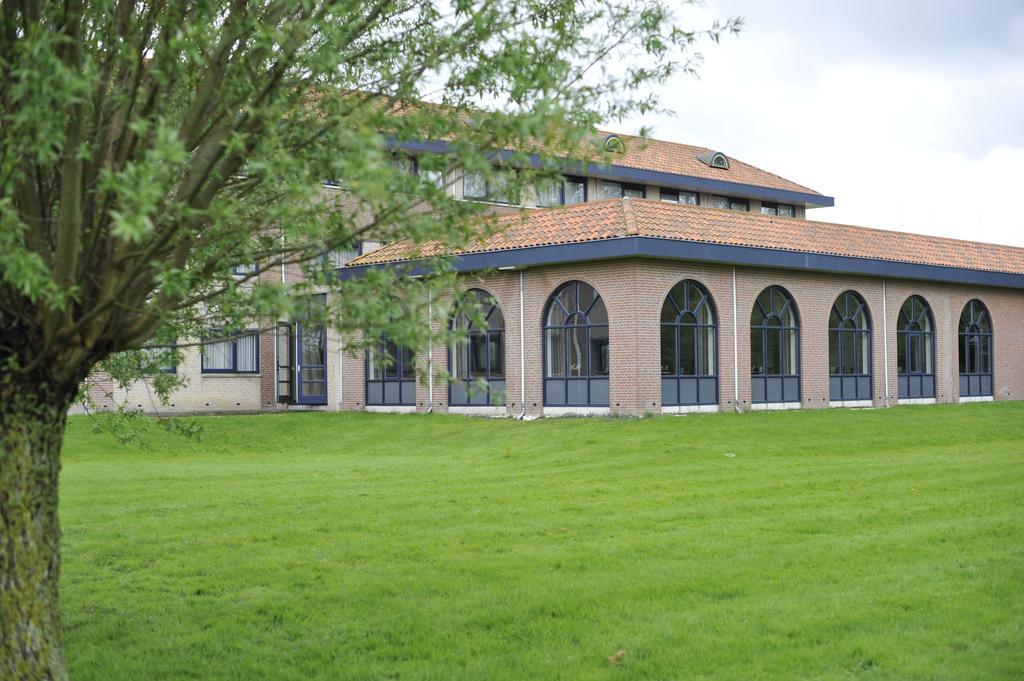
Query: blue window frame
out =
(774, 348)
(163, 356)
(234, 353)
(849, 349)
(689, 346)
(390, 374)
(975, 346)
(915, 349)
(476, 361)
(575, 347)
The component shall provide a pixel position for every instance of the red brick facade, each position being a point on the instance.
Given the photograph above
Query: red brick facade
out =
(634, 291)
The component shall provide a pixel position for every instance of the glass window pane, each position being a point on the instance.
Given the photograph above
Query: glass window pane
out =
(610, 190)
(668, 350)
(773, 352)
(496, 353)
(598, 314)
(555, 340)
(901, 353)
(688, 350)
(599, 351)
(757, 351)
(473, 185)
(477, 348)
(769, 209)
(707, 351)
(720, 202)
(218, 355)
(689, 198)
(786, 211)
(849, 353)
(408, 363)
(575, 191)
(549, 193)
(576, 342)
(669, 196)
(633, 192)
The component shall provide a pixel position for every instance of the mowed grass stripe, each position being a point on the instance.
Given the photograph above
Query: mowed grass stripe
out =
(826, 544)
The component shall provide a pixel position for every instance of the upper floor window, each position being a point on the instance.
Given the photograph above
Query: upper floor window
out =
(619, 190)
(781, 209)
(236, 354)
(680, 196)
(244, 269)
(730, 203)
(498, 188)
(340, 257)
(568, 191)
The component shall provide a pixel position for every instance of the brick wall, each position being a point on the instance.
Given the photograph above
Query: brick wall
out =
(634, 291)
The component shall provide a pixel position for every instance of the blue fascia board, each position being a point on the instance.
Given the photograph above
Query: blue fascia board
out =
(638, 176)
(694, 251)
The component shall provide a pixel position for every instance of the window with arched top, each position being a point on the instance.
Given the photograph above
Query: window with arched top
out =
(476, 359)
(849, 349)
(575, 347)
(774, 348)
(689, 346)
(975, 335)
(915, 349)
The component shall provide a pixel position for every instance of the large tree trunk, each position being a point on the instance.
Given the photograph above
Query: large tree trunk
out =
(32, 417)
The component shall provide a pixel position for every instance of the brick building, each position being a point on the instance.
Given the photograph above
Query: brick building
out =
(675, 279)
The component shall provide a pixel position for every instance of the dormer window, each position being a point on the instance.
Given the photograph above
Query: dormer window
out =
(715, 159)
(614, 144)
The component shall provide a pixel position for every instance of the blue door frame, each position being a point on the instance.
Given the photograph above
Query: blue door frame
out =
(311, 364)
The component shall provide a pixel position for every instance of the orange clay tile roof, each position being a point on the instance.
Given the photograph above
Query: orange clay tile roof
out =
(681, 159)
(619, 218)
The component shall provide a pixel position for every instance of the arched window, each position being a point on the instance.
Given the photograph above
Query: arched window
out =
(975, 350)
(688, 346)
(477, 360)
(575, 348)
(774, 348)
(915, 349)
(849, 349)
(390, 373)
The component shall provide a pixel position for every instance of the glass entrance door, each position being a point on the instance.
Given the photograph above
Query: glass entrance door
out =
(311, 354)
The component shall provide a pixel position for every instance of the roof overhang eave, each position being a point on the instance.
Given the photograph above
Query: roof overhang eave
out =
(696, 251)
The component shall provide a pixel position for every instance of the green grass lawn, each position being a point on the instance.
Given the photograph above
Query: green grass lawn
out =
(881, 544)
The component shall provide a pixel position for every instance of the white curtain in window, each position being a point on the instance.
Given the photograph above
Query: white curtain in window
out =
(247, 352)
(217, 355)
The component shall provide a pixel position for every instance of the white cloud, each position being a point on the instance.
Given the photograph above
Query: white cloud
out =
(925, 137)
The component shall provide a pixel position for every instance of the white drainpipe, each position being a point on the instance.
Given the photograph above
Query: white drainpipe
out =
(735, 348)
(885, 346)
(522, 352)
(430, 352)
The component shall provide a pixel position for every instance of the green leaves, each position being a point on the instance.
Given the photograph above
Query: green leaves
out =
(206, 130)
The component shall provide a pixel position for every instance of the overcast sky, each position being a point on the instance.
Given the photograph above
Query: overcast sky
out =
(909, 112)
